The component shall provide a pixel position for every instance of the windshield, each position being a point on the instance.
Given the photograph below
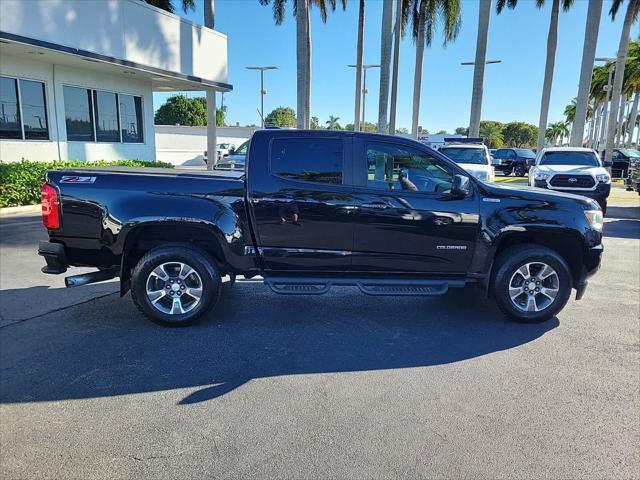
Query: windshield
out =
(242, 149)
(465, 155)
(627, 152)
(224, 145)
(525, 152)
(570, 158)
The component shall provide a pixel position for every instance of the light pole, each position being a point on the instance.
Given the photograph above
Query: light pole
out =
(364, 87)
(263, 92)
(476, 109)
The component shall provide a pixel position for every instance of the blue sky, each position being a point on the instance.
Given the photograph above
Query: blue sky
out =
(512, 88)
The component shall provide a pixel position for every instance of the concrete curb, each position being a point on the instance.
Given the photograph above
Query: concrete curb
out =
(7, 211)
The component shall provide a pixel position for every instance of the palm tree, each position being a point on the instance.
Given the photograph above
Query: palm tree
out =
(385, 63)
(484, 15)
(491, 133)
(631, 15)
(556, 132)
(427, 14)
(632, 82)
(402, 16)
(360, 47)
(552, 43)
(303, 47)
(570, 111)
(586, 70)
(168, 5)
(332, 123)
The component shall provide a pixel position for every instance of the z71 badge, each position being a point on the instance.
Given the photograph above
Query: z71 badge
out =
(77, 179)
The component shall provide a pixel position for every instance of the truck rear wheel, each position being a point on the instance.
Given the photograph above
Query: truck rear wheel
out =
(175, 285)
(531, 283)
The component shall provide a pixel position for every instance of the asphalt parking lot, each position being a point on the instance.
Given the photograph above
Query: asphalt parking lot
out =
(342, 385)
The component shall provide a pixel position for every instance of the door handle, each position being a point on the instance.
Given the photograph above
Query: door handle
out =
(376, 205)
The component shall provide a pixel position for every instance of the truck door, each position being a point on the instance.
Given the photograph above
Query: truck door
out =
(301, 200)
(406, 221)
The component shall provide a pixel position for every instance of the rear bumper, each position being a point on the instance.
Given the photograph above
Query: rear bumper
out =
(55, 256)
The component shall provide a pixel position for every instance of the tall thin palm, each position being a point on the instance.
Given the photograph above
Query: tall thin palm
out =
(402, 15)
(592, 28)
(386, 34)
(552, 43)
(631, 16)
(301, 9)
(484, 14)
(632, 82)
(360, 49)
(427, 16)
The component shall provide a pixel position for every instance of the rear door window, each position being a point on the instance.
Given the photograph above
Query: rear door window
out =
(318, 160)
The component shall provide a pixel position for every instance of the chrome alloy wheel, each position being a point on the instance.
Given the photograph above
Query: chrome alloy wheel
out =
(174, 288)
(533, 287)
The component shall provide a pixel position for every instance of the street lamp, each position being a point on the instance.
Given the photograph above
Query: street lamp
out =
(364, 86)
(476, 96)
(263, 92)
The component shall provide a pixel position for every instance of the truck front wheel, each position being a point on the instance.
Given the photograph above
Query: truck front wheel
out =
(175, 285)
(520, 170)
(531, 283)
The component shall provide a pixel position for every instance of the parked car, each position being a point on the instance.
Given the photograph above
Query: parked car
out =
(573, 170)
(234, 161)
(222, 150)
(474, 158)
(513, 160)
(633, 176)
(317, 209)
(621, 158)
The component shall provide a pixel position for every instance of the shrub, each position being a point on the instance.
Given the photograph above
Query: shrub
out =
(20, 182)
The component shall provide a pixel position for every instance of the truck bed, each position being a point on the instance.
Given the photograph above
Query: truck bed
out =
(173, 172)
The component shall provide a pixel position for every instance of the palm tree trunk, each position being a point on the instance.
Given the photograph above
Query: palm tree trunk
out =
(623, 103)
(212, 136)
(623, 48)
(385, 63)
(591, 126)
(302, 31)
(417, 74)
(396, 60)
(356, 114)
(552, 43)
(484, 14)
(307, 103)
(633, 117)
(586, 71)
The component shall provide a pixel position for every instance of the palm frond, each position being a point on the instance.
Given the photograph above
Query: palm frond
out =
(510, 4)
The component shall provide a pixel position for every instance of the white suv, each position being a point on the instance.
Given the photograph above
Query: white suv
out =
(572, 170)
(474, 158)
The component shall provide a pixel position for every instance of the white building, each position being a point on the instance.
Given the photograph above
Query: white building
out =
(77, 76)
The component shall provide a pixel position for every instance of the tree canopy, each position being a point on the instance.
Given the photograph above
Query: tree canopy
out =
(181, 110)
(282, 117)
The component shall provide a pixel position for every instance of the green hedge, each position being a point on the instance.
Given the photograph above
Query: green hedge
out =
(20, 182)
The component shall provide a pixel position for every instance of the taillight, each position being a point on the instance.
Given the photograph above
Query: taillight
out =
(50, 207)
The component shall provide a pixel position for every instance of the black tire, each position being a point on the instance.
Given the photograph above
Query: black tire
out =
(505, 270)
(519, 170)
(206, 276)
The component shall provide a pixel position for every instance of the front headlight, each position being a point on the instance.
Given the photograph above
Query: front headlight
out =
(603, 177)
(540, 176)
(595, 219)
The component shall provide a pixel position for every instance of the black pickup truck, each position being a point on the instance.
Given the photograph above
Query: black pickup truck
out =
(317, 209)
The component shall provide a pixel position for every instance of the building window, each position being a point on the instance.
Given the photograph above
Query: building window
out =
(34, 110)
(99, 116)
(130, 118)
(23, 110)
(106, 112)
(78, 114)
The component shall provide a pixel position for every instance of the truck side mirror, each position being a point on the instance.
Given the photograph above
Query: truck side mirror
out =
(232, 151)
(608, 164)
(531, 162)
(461, 186)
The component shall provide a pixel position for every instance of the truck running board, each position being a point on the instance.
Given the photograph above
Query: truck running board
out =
(370, 286)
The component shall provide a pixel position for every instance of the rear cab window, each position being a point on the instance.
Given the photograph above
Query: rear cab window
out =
(317, 160)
